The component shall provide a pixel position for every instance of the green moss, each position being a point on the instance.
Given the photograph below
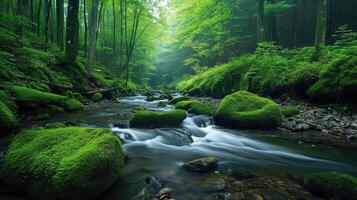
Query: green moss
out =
(8, 120)
(97, 97)
(338, 82)
(33, 97)
(73, 105)
(175, 100)
(333, 185)
(62, 163)
(150, 119)
(289, 111)
(139, 108)
(43, 116)
(195, 107)
(246, 110)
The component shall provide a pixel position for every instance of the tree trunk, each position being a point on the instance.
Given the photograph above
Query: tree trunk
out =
(85, 27)
(272, 34)
(121, 35)
(114, 31)
(39, 17)
(48, 4)
(260, 21)
(72, 31)
(92, 36)
(60, 23)
(320, 33)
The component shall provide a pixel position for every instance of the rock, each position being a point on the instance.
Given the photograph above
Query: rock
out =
(202, 164)
(165, 192)
(289, 111)
(84, 162)
(97, 97)
(214, 183)
(354, 117)
(195, 107)
(8, 120)
(151, 119)
(249, 111)
(240, 173)
(302, 127)
(332, 185)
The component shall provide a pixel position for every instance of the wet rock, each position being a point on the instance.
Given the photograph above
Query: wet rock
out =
(202, 164)
(214, 183)
(153, 186)
(240, 173)
(164, 193)
(302, 127)
(121, 125)
(219, 196)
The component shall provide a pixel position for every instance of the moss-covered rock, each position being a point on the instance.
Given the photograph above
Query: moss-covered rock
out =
(195, 107)
(150, 98)
(175, 100)
(8, 119)
(97, 97)
(289, 111)
(62, 163)
(139, 108)
(35, 98)
(151, 119)
(249, 111)
(332, 185)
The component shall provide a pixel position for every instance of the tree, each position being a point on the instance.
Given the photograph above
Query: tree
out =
(72, 31)
(85, 26)
(60, 23)
(114, 32)
(260, 21)
(320, 33)
(39, 17)
(48, 4)
(92, 36)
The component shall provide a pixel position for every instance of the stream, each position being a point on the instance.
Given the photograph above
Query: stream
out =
(161, 152)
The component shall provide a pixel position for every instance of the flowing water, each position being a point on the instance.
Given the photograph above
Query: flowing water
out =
(161, 152)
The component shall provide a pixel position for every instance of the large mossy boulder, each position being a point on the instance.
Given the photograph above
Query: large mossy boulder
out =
(195, 107)
(8, 119)
(62, 163)
(248, 111)
(97, 97)
(151, 119)
(332, 185)
(177, 99)
(34, 98)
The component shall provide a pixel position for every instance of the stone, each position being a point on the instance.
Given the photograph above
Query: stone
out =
(302, 126)
(166, 192)
(202, 164)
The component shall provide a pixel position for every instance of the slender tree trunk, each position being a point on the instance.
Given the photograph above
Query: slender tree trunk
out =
(260, 21)
(114, 29)
(72, 31)
(320, 33)
(39, 17)
(99, 18)
(121, 34)
(85, 27)
(272, 34)
(31, 15)
(92, 36)
(60, 23)
(47, 25)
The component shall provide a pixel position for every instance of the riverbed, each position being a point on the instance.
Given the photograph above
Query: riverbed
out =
(162, 152)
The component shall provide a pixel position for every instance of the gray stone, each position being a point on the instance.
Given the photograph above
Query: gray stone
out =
(202, 164)
(302, 127)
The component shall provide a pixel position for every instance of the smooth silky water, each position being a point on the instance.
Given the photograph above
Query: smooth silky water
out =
(161, 152)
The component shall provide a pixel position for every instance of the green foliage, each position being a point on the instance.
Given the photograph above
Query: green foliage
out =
(150, 119)
(289, 111)
(195, 107)
(62, 163)
(273, 71)
(73, 105)
(249, 111)
(97, 97)
(8, 119)
(277, 7)
(333, 185)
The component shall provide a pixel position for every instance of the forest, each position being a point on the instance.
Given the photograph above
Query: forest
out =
(178, 99)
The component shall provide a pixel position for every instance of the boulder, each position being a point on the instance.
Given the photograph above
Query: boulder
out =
(195, 107)
(97, 97)
(249, 111)
(8, 119)
(151, 119)
(202, 164)
(62, 163)
(332, 185)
